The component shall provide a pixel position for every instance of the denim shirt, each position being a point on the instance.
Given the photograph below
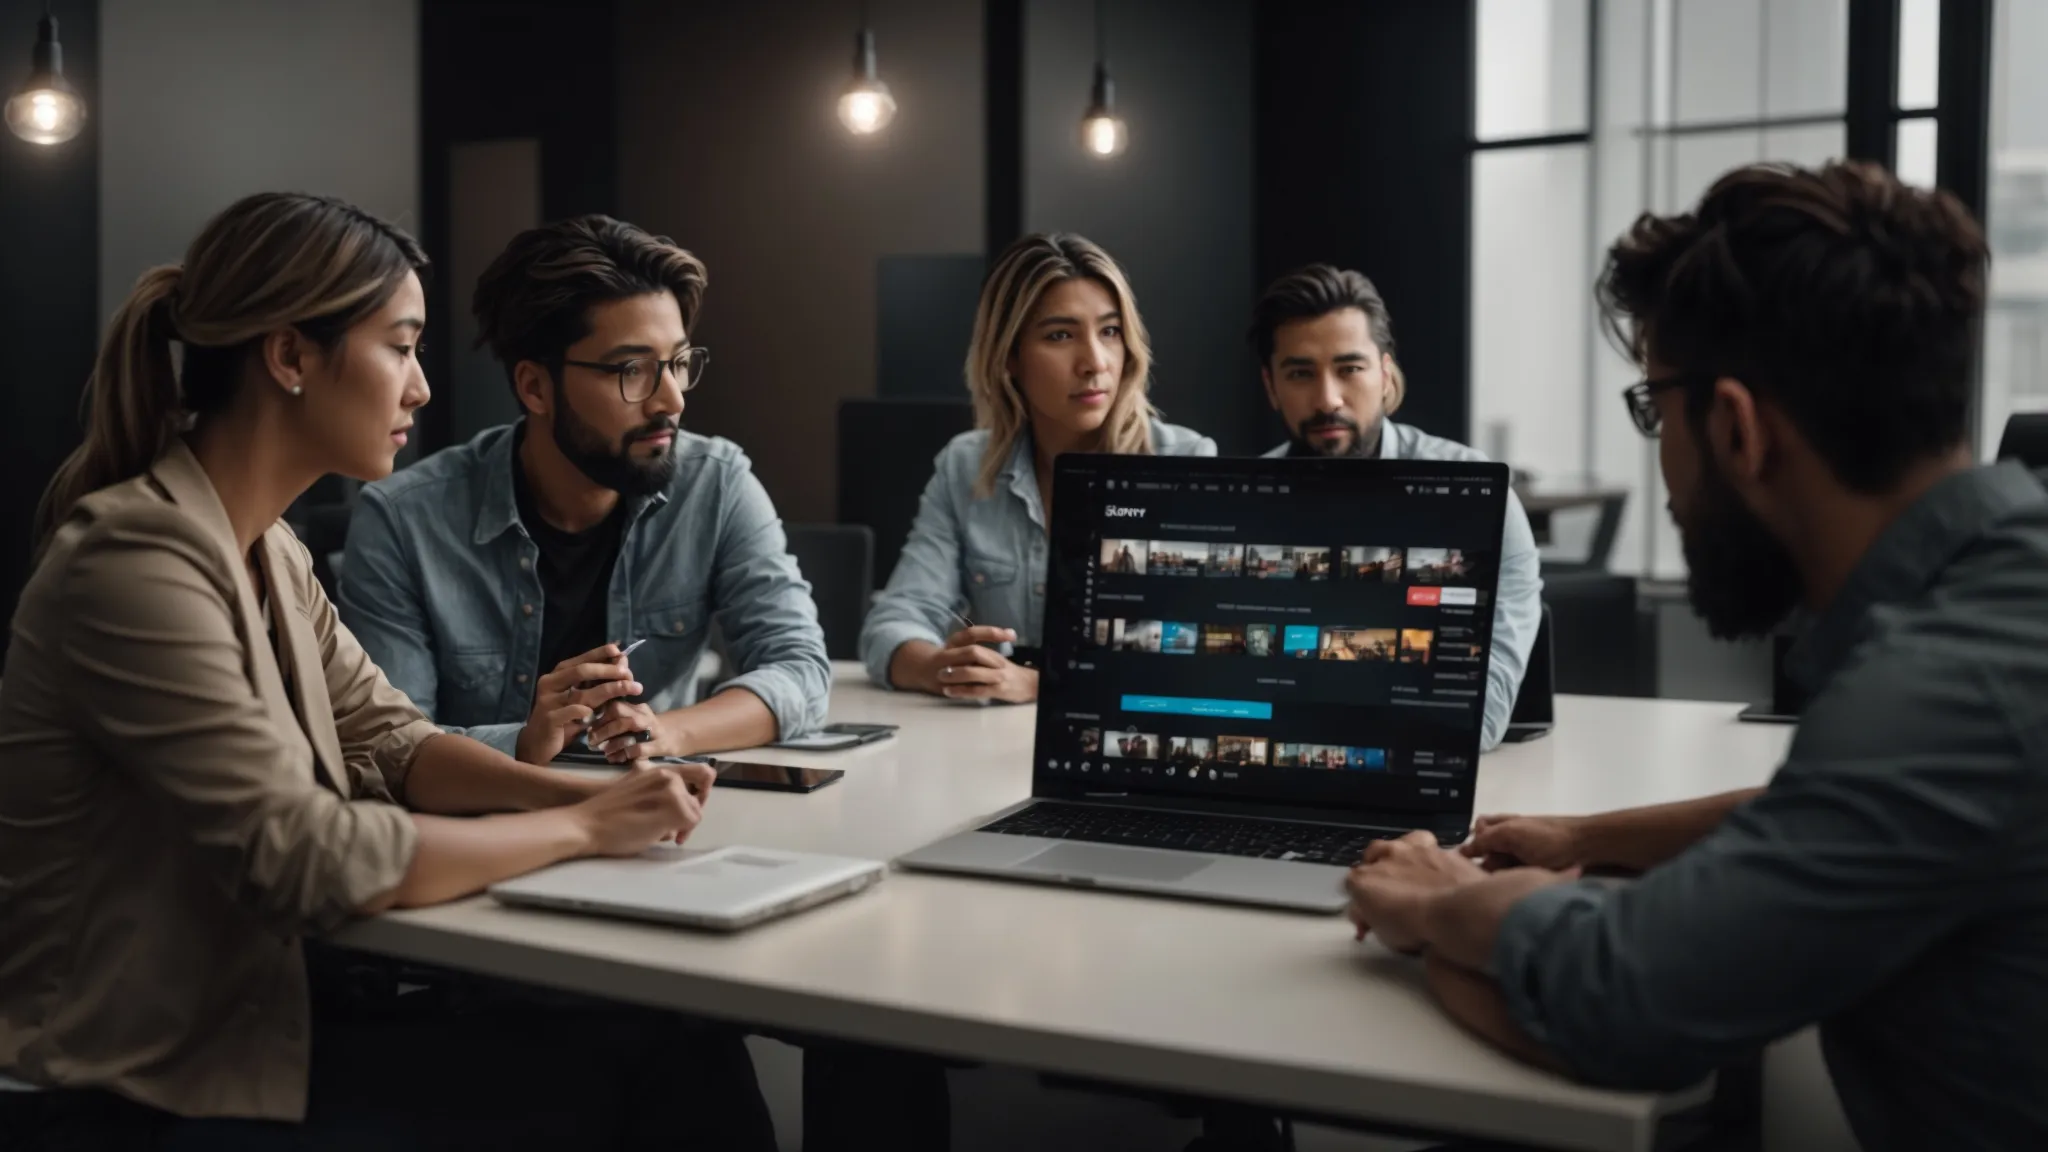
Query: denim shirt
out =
(440, 585)
(1517, 603)
(983, 556)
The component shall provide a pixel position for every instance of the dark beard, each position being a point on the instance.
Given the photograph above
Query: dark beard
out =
(1741, 580)
(613, 467)
(1365, 442)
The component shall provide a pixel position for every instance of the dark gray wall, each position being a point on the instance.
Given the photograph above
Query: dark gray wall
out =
(540, 71)
(1176, 208)
(1365, 113)
(206, 102)
(729, 143)
(49, 280)
(493, 196)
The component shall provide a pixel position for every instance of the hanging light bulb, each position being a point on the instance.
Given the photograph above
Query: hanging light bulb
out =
(866, 106)
(45, 110)
(1102, 130)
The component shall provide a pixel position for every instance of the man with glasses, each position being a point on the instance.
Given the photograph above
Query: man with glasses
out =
(498, 583)
(1808, 341)
(501, 582)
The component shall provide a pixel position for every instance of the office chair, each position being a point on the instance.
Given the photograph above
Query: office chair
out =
(885, 460)
(323, 529)
(2025, 439)
(839, 561)
(1602, 643)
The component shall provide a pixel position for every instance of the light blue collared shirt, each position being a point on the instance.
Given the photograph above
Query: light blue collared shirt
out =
(1517, 603)
(984, 556)
(441, 586)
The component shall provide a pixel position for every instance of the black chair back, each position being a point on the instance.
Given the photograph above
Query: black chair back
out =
(323, 529)
(2025, 439)
(885, 460)
(1602, 642)
(839, 561)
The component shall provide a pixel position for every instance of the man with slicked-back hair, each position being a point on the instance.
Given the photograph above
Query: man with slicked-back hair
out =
(1324, 339)
(498, 582)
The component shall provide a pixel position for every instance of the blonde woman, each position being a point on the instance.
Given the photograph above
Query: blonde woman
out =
(201, 773)
(1059, 363)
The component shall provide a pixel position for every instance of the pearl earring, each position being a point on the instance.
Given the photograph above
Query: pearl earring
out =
(298, 390)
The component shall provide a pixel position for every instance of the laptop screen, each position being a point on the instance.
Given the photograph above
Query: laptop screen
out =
(1305, 632)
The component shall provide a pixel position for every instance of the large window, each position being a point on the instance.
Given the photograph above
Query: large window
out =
(2016, 326)
(1591, 112)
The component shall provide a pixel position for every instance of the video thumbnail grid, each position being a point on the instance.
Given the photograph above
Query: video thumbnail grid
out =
(1187, 752)
(1376, 563)
(1289, 641)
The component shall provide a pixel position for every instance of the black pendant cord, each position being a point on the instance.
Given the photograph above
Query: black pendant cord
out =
(1101, 37)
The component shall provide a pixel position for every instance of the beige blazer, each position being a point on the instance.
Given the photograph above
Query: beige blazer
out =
(172, 820)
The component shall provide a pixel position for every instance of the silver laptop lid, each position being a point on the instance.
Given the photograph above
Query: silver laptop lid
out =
(1273, 636)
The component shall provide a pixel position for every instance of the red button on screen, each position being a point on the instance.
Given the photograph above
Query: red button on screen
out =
(1425, 597)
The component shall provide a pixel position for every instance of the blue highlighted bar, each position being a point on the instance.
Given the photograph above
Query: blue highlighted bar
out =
(1196, 706)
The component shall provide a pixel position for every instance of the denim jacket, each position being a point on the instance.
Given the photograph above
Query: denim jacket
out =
(1517, 604)
(984, 556)
(439, 585)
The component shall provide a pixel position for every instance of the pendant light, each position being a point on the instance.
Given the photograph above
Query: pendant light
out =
(45, 110)
(1102, 130)
(866, 106)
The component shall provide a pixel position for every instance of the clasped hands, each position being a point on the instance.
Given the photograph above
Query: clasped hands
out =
(965, 668)
(584, 696)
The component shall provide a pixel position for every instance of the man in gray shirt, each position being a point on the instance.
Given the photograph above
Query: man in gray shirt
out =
(1807, 339)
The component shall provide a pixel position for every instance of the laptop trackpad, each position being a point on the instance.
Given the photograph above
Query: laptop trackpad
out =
(1071, 859)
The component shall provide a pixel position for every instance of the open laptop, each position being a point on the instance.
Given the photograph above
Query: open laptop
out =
(1252, 668)
(724, 889)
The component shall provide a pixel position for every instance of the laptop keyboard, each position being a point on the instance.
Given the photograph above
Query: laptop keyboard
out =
(1192, 832)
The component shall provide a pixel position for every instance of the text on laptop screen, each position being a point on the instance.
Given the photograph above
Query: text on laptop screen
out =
(1308, 631)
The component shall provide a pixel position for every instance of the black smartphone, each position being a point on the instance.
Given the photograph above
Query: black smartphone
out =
(865, 731)
(773, 777)
(591, 758)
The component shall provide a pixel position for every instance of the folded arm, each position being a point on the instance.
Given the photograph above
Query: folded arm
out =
(1827, 884)
(151, 635)
(1639, 839)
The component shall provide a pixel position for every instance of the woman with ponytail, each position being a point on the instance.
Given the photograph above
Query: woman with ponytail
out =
(201, 773)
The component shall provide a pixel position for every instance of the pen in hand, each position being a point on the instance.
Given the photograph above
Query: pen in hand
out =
(604, 710)
(1002, 647)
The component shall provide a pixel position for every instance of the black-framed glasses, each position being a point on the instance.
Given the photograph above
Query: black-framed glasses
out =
(1641, 398)
(639, 377)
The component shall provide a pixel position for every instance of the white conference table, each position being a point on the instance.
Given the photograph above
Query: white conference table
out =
(1276, 1008)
